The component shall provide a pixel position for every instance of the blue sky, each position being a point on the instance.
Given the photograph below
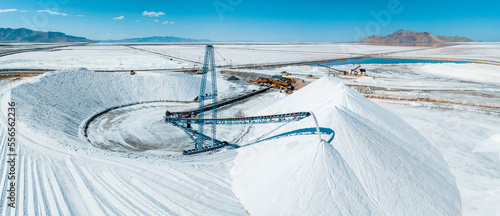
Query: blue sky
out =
(254, 20)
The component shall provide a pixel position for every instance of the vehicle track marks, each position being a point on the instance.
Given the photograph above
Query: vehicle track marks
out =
(110, 191)
(87, 197)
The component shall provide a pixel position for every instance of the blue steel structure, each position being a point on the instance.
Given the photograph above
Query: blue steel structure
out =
(183, 123)
(204, 143)
(208, 67)
(279, 118)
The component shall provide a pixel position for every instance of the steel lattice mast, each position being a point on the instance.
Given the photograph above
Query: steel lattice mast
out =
(208, 66)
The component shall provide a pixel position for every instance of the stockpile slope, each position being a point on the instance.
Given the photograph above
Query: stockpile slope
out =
(375, 164)
(59, 174)
(59, 102)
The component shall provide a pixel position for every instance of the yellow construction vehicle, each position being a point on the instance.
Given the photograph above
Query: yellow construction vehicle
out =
(277, 82)
(285, 73)
(357, 71)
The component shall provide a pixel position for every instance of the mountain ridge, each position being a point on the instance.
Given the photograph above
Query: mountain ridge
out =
(409, 36)
(24, 35)
(31, 36)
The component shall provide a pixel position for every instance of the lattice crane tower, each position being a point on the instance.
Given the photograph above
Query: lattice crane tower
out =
(208, 67)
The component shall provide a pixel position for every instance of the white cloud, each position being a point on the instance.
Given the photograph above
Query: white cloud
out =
(52, 12)
(7, 10)
(156, 20)
(167, 22)
(79, 15)
(119, 18)
(171, 22)
(23, 11)
(152, 14)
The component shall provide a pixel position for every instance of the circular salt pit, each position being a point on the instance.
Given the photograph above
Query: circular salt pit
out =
(56, 107)
(140, 130)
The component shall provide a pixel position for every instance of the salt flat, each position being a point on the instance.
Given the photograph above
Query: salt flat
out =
(482, 51)
(118, 57)
(390, 157)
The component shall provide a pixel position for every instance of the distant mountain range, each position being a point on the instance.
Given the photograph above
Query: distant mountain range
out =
(409, 36)
(156, 39)
(30, 36)
(27, 35)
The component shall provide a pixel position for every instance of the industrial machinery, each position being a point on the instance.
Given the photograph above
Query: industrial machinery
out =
(357, 71)
(277, 82)
(285, 73)
(203, 142)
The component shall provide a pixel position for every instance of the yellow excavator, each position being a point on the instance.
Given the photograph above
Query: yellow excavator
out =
(357, 71)
(277, 82)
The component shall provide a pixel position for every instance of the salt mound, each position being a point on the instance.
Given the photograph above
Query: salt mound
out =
(376, 163)
(298, 178)
(56, 104)
(78, 179)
